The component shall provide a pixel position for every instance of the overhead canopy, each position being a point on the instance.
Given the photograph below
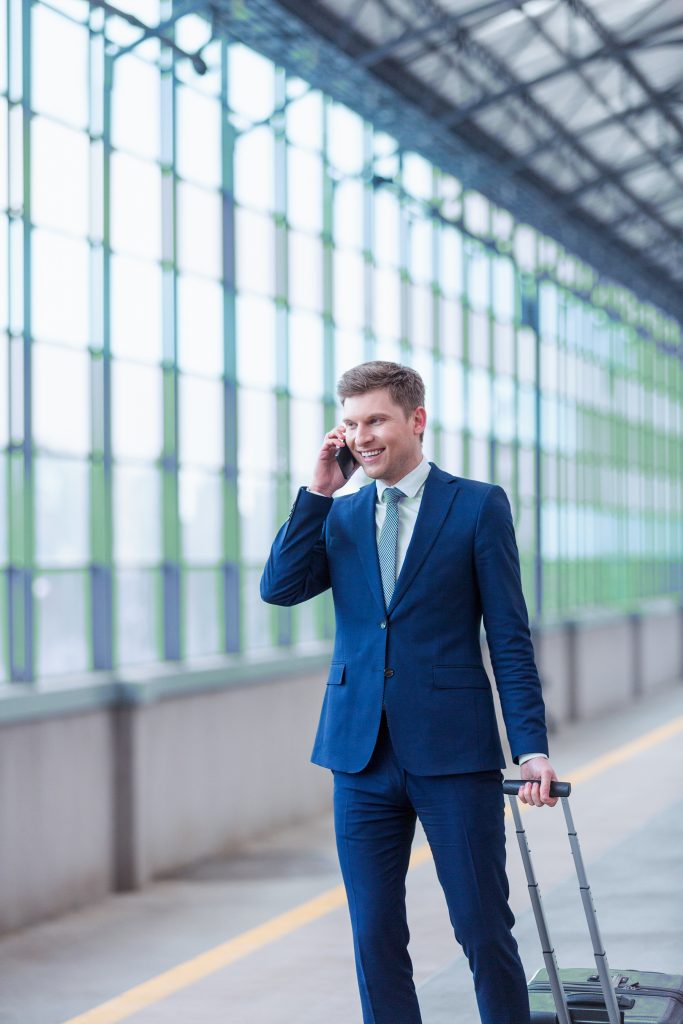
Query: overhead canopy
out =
(583, 102)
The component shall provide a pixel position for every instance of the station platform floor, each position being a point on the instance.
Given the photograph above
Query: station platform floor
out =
(264, 937)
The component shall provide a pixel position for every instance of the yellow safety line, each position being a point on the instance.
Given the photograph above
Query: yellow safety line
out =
(190, 971)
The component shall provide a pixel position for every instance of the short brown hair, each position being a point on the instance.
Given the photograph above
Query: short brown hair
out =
(404, 384)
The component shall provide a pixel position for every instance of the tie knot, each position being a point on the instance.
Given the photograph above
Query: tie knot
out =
(392, 495)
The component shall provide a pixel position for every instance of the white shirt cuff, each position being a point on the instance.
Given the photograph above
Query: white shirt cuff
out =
(527, 757)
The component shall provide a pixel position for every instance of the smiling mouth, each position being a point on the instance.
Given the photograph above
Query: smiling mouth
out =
(371, 454)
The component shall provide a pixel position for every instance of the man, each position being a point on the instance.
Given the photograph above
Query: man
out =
(408, 726)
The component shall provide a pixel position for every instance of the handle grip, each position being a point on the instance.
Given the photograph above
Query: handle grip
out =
(511, 787)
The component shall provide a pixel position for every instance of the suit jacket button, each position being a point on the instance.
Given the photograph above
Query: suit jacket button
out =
(388, 673)
(383, 625)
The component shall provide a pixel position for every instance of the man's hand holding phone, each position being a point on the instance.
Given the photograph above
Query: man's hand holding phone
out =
(335, 463)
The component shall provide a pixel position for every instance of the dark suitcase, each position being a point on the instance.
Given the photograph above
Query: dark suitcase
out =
(586, 995)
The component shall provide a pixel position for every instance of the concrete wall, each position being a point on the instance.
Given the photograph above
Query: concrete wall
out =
(102, 799)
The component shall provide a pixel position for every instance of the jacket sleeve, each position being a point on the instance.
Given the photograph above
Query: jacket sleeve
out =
(297, 568)
(507, 625)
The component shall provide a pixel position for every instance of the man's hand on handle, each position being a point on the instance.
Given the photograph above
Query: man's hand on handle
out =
(537, 794)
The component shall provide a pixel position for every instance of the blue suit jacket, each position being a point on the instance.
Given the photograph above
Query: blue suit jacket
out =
(461, 563)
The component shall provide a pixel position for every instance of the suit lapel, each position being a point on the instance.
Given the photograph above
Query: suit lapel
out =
(439, 491)
(364, 533)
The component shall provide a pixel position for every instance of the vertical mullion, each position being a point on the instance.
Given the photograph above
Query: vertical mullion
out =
(282, 618)
(323, 608)
(20, 473)
(172, 618)
(101, 585)
(231, 522)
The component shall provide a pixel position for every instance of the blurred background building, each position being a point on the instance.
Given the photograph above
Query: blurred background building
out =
(207, 213)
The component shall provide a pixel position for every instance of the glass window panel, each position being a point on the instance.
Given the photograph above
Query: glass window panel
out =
(387, 243)
(256, 357)
(254, 252)
(201, 421)
(422, 360)
(549, 436)
(305, 271)
(59, 65)
(251, 83)
(526, 355)
(4, 310)
(304, 120)
(503, 289)
(389, 349)
(420, 265)
(61, 623)
(476, 213)
(417, 175)
(4, 391)
(306, 621)
(504, 348)
(136, 105)
(137, 601)
(304, 190)
(136, 302)
(504, 408)
(349, 350)
(349, 288)
(202, 612)
(478, 291)
(256, 496)
(451, 332)
(137, 416)
(200, 325)
(478, 341)
(256, 613)
(199, 137)
(451, 413)
(526, 428)
(3, 599)
(306, 356)
(421, 307)
(135, 206)
(137, 514)
(548, 309)
(387, 302)
(345, 139)
(60, 288)
(200, 220)
(347, 213)
(61, 399)
(201, 515)
(254, 168)
(256, 430)
(479, 459)
(452, 457)
(3, 48)
(450, 260)
(527, 480)
(4, 545)
(479, 401)
(61, 511)
(59, 176)
(306, 433)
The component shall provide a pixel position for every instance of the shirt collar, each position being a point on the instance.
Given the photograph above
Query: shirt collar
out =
(411, 483)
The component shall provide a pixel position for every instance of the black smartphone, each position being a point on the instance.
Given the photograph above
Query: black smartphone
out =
(347, 463)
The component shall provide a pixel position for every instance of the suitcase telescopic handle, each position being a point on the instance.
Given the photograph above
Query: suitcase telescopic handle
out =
(511, 787)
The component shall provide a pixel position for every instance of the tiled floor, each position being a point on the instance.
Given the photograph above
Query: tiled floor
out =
(629, 815)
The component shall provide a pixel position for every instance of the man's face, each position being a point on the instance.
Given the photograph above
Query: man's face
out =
(375, 424)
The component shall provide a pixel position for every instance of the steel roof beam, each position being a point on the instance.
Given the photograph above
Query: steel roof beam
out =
(300, 36)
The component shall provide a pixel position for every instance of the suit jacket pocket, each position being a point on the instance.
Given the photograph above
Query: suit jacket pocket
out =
(457, 677)
(336, 675)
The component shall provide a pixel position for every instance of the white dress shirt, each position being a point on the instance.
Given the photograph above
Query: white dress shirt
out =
(412, 485)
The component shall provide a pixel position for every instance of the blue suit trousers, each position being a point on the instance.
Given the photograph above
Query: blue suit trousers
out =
(375, 812)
